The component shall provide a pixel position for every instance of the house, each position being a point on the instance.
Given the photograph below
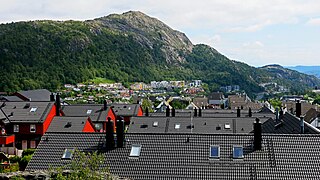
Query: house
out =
(217, 99)
(98, 113)
(71, 124)
(200, 102)
(190, 156)
(126, 111)
(34, 95)
(24, 123)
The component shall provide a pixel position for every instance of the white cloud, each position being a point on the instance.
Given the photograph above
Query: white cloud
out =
(314, 22)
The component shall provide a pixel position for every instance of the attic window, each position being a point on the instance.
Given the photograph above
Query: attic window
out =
(177, 126)
(214, 152)
(135, 150)
(155, 124)
(34, 109)
(89, 111)
(237, 152)
(227, 126)
(68, 153)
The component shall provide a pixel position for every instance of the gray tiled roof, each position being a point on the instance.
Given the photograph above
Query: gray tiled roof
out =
(94, 111)
(67, 124)
(125, 109)
(171, 156)
(36, 95)
(22, 111)
(10, 98)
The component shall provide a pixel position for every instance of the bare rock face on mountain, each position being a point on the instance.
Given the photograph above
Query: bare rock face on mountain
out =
(150, 32)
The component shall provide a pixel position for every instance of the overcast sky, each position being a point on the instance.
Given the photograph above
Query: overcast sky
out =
(257, 32)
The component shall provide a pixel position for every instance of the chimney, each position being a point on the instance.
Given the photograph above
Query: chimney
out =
(147, 111)
(302, 125)
(167, 111)
(52, 97)
(195, 112)
(109, 134)
(120, 132)
(58, 104)
(200, 112)
(257, 135)
(250, 112)
(277, 114)
(298, 109)
(173, 112)
(104, 105)
(281, 114)
(238, 112)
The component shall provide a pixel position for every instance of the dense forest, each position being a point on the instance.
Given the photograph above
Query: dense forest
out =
(48, 54)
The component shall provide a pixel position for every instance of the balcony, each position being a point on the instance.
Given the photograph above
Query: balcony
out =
(7, 139)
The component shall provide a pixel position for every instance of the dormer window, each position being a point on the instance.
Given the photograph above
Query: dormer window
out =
(237, 152)
(16, 128)
(34, 109)
(135, 150)
(215, 152)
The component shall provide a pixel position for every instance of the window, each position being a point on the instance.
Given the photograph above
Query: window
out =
(177, 126)
(135, 150)
(16, 128)
(34, 109)
(89, 111)
(227, 126)
(155, 124)
(67, 154)
(32, 128)
(237, 152)
(214, 151)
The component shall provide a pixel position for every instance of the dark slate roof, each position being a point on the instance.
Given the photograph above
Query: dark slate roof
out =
(67, 124)
(171, 156)
(36, 95)
(10, 98)
(22, 111)
(125, 109)
(311, 114)
(94, 111)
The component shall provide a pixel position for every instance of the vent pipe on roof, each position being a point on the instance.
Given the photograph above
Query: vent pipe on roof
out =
(52, 97)
(200, 112)
(120, 133)
(173, 112)
(167, 111)
(298, 109)
(147, 111)
(257, 135)
(250, 112)
(238, 112)
(109, 134)
(302, 125)
(105, 105)
(58, 104)
(195, 113)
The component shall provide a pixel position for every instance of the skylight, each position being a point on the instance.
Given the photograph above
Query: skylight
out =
(155, 124)
(135, 150)
(177, 126)
(214, 151)
(227, 126)
(34, 109)
(89, 111)
(68, 153)
(237, 152)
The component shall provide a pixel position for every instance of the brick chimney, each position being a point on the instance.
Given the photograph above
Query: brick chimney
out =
(147, 111)
(238, 112)
(257, 135)
(298, 109)
(109, 134)
(105, 105)
(195, 113)
(200, 112)
(58, 104)
(52, 97)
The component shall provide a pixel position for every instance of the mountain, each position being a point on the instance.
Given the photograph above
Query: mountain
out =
(311, 70)
(126, 48)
